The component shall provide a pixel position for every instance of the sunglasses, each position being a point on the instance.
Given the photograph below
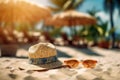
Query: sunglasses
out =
(88, 63)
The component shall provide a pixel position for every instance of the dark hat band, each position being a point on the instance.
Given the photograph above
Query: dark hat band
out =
(38, 61)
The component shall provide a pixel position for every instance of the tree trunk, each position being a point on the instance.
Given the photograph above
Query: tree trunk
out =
(112, 24)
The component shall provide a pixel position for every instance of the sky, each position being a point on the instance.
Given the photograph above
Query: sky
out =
(92, 4)
(89, 5)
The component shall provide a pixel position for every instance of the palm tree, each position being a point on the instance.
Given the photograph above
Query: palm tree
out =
(110, 5)
(95, 32)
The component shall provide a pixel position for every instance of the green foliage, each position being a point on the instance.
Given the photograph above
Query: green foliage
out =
(112, 30)
(95, 32)
(56, 32)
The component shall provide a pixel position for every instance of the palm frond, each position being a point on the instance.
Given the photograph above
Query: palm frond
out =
(58, 3)
(77, 3)
(68, 5)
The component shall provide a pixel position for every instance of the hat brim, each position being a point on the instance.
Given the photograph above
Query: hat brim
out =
(27, 66)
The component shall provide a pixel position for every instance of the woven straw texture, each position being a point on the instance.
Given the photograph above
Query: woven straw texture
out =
(42, 50)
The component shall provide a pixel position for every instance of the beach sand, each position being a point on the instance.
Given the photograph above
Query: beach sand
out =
(107, 67)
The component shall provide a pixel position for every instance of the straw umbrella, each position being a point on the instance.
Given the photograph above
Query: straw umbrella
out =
(14, 12)
(70, 18)
(19, 13)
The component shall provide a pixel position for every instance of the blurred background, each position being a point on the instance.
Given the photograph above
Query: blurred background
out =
(73, 23)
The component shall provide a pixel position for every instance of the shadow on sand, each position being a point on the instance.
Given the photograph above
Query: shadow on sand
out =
(116, 50)
(62, 54)
(87, 51)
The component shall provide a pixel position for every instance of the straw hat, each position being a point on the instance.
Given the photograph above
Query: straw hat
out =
(42, 56)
